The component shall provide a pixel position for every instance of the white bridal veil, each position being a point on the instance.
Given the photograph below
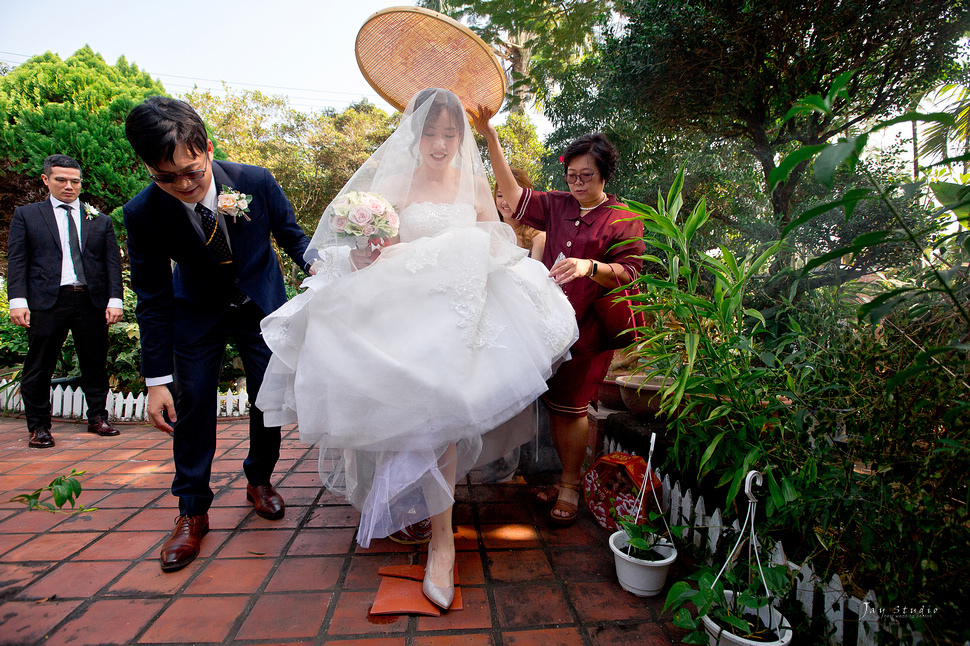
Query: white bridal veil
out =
(393, 171)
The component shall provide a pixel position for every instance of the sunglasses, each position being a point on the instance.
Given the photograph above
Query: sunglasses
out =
(168, 178)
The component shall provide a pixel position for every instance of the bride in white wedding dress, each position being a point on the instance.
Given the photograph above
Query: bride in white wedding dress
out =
(411, 363)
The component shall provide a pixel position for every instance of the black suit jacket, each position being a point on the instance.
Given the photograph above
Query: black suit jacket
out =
(183, 292)
(34, 257)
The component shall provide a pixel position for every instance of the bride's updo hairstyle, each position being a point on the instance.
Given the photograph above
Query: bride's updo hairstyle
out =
(441, 102)
(596, 146)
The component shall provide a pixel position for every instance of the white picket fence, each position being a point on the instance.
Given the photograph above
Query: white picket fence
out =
(851, 620)
(70, 403)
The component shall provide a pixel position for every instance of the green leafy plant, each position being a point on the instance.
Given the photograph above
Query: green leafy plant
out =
(735, 612)
(851, 399)
(720, 382)
(64, 489)
(644, 534)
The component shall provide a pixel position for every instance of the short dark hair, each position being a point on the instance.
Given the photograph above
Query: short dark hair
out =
(159, 125)
(598, 147)
(61, 161)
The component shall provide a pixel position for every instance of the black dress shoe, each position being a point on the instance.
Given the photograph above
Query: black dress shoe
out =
(40, 438)
(184, 544)
(267, 502)
(102, 428)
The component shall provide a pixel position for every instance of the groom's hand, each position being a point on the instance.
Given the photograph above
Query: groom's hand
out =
(160, 403)
(360, 258)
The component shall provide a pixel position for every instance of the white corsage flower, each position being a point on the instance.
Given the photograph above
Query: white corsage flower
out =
(233, 203)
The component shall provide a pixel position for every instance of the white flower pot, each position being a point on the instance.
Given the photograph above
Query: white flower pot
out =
(720, 637)
(642, 578)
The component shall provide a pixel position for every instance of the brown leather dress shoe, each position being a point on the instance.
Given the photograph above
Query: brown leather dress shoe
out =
(267, 502)
(183, 545)
(40, 438)
(102, 428)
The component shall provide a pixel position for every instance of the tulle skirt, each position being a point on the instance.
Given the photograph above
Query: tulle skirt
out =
(446, 340)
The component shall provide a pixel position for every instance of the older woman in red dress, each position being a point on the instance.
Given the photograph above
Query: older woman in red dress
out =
(583, 256)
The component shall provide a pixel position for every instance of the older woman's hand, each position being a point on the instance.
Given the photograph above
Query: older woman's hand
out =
(481, 119)
(569, 269)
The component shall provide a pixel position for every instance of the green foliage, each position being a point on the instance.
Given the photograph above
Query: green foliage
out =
(852, 401)
(520, 144)
(828, 159)
(539, 41)
(124, 352)
(938, 139)
(64, 489)
(311, 156)
(716, 72)
(76, 107)
(643, 534)
(703, 343)
(733, 613)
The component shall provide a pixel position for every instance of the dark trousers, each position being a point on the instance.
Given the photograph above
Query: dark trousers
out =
(48, 329)
(197, 369)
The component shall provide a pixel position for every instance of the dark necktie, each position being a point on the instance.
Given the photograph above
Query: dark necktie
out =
(216, 242)
(75, 244)
(214, 239)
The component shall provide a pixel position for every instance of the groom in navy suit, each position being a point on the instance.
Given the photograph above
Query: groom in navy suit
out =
(204, 270)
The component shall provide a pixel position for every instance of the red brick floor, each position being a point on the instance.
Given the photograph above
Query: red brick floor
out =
(94, 578)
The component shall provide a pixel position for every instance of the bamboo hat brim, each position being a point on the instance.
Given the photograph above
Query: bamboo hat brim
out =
(402, 50)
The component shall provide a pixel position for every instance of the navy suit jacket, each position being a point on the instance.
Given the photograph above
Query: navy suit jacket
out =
(34, 257)
(183, 292)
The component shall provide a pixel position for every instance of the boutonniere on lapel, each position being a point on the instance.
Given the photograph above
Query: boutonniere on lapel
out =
(233, 203)
(91, 212)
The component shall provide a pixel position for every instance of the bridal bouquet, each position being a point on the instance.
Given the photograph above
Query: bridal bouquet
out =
(368, 217)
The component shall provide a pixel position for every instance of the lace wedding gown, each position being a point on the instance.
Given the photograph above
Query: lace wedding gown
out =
(446, 339)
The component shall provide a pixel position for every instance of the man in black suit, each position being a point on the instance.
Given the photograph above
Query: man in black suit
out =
(226, 278)
(64, 273)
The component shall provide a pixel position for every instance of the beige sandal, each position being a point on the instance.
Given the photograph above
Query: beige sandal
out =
(548, 495)
(571, 510)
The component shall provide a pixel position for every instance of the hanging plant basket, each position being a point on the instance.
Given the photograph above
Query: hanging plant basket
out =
(767, 615)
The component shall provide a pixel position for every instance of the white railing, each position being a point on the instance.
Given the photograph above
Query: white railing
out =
(851, 620)
(70, 403)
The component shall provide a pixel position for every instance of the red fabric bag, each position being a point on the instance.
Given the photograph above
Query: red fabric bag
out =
(611, 486)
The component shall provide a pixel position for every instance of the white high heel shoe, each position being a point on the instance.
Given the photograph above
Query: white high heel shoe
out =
(441, 596)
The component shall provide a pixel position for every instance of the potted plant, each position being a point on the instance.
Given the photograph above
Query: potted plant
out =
(741, 613)
(642, 556)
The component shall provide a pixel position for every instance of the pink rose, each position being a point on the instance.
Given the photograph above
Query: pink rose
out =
(369, 229)
(393, 220)
(340, 223)
(373, 203)
(360, 215)
(227, 202)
